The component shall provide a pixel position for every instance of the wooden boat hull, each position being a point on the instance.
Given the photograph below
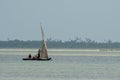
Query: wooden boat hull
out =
(37, 59)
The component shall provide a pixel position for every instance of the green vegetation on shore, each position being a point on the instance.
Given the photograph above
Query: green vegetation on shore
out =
(76, 43)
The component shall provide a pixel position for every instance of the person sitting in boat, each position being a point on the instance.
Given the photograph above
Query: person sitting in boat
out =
(37, 56)
(29, 56)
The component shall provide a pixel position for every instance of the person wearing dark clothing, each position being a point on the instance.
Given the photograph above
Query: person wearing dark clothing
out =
(38, 56)
(29, 56)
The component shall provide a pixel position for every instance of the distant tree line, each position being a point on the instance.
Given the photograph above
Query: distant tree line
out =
(75, 43)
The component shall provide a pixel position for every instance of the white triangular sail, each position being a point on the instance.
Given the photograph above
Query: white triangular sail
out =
(44, 54)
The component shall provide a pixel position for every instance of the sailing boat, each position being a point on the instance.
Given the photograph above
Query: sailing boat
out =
(43, 52)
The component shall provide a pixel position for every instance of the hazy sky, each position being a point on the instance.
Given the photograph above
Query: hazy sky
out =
(62, 19)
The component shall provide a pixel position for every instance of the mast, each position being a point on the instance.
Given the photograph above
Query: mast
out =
(42, 32)
(44, 54)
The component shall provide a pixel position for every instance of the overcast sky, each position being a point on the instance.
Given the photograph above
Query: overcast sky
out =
(62, 19)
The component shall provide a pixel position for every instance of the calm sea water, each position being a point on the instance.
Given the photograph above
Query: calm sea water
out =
(65, 65)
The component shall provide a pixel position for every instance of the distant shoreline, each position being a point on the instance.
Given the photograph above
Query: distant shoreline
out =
(58, 44)
(61, 49)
